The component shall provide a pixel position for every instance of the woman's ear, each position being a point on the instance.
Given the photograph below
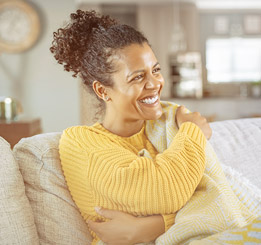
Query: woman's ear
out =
(100, 90)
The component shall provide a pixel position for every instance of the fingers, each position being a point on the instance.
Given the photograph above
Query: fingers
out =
(94, 226)
(196, 113)
(182, 116)
(107, 213)
(98, 228)
(181, 109)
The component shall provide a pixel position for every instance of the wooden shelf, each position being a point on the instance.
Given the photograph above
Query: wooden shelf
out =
(13, 131)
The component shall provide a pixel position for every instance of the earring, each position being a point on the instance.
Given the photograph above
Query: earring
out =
(106, 98)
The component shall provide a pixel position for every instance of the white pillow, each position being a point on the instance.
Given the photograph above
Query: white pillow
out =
(16, 217)
(57, 218)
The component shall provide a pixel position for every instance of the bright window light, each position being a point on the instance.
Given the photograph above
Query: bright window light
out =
(233, 60)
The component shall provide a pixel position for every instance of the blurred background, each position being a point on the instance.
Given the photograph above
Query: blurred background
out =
(209, 51)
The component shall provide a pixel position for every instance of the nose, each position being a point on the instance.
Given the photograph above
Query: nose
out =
(154, 82)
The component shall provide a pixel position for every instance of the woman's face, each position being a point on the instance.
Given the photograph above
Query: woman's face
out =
(137, 85)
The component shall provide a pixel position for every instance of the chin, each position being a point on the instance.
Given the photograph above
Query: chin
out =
(155, 116)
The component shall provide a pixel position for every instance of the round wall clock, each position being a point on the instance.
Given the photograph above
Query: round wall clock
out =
(19, 26)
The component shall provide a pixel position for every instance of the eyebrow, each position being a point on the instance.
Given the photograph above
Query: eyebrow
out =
(140, 70)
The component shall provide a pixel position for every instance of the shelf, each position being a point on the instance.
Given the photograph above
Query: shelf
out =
(186, 77)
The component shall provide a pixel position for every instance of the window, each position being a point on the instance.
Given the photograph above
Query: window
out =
(233, 60)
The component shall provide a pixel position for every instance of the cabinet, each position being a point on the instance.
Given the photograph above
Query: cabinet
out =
(13, 131)
(186, 75)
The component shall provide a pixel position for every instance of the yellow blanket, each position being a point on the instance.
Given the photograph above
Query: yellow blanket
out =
(214, 207)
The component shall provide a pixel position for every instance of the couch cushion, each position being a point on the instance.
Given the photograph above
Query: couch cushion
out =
(17, 222)
(57, 218)
(237, 143)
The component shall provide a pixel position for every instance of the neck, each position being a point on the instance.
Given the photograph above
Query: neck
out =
(122, 127)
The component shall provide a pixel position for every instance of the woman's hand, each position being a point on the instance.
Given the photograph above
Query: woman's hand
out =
(123, 228)
(195, 117)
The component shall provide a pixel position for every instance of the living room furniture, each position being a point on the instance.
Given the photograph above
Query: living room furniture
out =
(36, 206)
(14, 130)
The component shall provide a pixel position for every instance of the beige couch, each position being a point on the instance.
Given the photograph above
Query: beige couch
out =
(36, 207)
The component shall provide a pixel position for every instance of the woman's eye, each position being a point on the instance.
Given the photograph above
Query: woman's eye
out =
(138, 77)
(156, 70)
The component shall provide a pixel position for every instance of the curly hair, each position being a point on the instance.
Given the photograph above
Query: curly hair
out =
(85, 46)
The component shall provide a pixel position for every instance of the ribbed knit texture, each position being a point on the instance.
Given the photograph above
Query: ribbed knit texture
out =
(128, 173)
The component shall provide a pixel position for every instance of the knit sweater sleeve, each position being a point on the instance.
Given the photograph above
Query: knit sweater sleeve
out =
(169, 220)
(119, 179)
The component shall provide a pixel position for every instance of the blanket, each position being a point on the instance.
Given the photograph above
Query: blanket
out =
(217, 204)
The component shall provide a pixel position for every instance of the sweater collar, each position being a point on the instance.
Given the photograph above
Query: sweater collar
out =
(100, 127)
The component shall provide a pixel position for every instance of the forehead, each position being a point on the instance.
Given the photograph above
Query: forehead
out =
(136, 56)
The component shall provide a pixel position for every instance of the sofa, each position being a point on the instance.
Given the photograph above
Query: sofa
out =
(36, 206)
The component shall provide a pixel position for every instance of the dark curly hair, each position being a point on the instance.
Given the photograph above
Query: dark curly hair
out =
(85, 46)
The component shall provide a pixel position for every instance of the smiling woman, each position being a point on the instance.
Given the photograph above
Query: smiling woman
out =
(135, 94)
(109, 164)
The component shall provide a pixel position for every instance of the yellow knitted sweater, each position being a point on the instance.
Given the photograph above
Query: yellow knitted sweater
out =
(128, 174)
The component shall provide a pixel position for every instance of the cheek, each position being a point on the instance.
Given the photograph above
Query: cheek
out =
(133, 92)
(162, 81)
(125, 98)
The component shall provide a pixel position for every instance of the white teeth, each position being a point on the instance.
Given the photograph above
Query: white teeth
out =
(151, 100)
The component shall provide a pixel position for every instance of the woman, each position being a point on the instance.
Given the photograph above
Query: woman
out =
(113, 164)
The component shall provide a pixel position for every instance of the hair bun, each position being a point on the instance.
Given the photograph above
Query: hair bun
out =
(71, 43)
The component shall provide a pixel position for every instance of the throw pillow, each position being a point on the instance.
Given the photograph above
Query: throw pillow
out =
(17, 221)
(57, 218)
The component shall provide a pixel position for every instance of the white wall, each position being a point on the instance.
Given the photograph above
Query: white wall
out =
(37, 80)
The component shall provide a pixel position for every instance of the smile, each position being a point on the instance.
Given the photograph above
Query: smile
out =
(150, 101)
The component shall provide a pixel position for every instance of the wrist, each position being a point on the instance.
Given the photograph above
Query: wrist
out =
(149, 228)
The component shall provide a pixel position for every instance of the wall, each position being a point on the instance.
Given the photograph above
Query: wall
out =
(36, 80)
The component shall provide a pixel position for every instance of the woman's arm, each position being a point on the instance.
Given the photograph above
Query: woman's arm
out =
(123, 228)
(95, 164)
(170, 179)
